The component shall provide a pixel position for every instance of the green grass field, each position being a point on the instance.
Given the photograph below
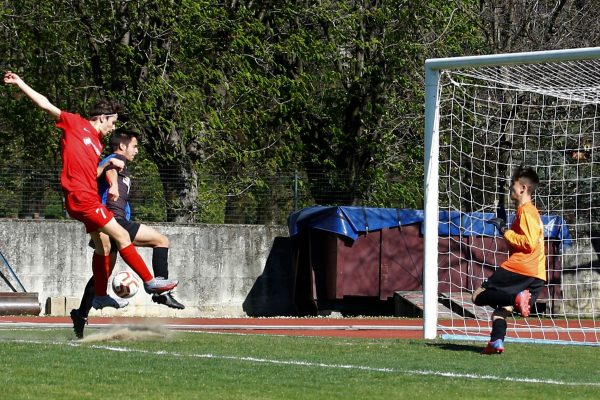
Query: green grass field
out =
(153, 364)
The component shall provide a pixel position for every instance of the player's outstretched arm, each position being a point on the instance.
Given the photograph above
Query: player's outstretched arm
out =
(10, 78)
(118, 164)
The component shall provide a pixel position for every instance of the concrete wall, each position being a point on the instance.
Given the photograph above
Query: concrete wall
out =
(581, 277)
(223, 270)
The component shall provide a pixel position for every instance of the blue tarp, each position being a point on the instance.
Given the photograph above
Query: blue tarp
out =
(353, 221)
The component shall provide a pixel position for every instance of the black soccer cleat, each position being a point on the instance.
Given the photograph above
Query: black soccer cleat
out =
(78, 323)
(168, 300)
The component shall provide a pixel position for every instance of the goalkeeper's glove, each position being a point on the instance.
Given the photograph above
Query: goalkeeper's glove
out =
(500, 224)
(501, 212)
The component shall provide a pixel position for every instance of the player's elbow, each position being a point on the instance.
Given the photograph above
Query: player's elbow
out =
(48, 107)
(527, 247)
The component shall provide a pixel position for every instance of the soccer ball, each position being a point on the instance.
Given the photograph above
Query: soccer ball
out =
(125, 284)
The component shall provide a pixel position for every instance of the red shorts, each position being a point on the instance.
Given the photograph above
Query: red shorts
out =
(87, 209)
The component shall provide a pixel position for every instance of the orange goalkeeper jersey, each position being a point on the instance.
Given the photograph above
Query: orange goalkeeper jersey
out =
(525, 240)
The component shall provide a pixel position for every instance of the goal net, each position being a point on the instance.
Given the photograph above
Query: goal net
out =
(486, 116)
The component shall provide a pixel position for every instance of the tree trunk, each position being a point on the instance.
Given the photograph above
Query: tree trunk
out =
(180, 183)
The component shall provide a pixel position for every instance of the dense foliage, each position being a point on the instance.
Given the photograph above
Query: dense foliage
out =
(251, 90)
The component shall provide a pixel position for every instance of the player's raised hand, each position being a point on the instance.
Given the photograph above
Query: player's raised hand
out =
(119, 164)
(113, 193)
(501, 212)
(10, 78)
(499, 223)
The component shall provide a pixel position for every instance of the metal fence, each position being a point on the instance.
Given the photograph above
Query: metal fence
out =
(202, 198)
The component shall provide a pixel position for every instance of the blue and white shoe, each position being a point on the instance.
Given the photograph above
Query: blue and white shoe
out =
(160, 285)
(100, 302)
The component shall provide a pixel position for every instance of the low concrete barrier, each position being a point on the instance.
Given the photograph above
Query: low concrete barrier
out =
(223, 270)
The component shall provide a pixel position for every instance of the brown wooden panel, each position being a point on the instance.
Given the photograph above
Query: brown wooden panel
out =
(401, 260)
(358, 266)
(380, 263)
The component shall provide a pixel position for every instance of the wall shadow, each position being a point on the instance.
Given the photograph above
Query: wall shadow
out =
(273, 291)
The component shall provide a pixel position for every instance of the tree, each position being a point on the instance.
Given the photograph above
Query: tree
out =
(192, 74)
(357, 89)
(513, 26)
(518, 26)
(245, 89)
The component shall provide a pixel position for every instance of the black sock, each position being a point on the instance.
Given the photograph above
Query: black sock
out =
(498, 329)
(86, 300)
(494, 298)
(160, 262)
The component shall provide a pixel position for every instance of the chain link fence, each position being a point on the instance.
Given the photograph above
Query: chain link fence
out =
(166, 196)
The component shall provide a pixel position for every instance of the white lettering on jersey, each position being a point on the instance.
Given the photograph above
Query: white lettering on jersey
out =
(88, 142)
(127, 182)
(101, 212)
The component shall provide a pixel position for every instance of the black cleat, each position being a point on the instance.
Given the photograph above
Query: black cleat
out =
(78, 323)
(168, 300)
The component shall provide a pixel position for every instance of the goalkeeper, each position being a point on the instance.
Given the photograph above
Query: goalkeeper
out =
(520, 279)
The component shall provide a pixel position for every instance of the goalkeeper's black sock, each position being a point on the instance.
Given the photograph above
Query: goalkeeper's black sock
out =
(160, 262)
(494, 298)
(498, 329)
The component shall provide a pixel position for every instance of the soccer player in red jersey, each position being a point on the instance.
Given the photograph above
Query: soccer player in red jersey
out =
(81, 146)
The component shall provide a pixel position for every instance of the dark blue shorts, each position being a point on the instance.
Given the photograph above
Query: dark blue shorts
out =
(131, 227)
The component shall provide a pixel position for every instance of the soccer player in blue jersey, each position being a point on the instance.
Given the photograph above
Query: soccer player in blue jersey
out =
(114, 186)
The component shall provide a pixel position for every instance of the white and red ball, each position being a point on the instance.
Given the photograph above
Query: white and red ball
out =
(125, 284)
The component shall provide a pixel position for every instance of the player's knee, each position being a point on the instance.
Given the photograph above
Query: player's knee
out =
(121, 236)
(163, 241)
(102, 248)
(476, 294)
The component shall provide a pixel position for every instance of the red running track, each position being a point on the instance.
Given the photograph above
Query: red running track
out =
(395, 328)
(333, 327)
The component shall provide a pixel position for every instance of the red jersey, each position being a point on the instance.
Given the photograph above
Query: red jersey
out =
(80, 150)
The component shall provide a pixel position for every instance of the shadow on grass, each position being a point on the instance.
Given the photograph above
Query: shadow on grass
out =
(457, 347)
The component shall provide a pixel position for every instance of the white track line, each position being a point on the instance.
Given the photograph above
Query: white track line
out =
(443, 374)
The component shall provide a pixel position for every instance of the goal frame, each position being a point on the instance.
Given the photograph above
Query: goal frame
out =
(433, 69)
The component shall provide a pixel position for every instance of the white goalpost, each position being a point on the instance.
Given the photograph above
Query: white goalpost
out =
(485, 116)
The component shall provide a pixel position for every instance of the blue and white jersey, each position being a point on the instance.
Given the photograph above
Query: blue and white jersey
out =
(120, 208)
